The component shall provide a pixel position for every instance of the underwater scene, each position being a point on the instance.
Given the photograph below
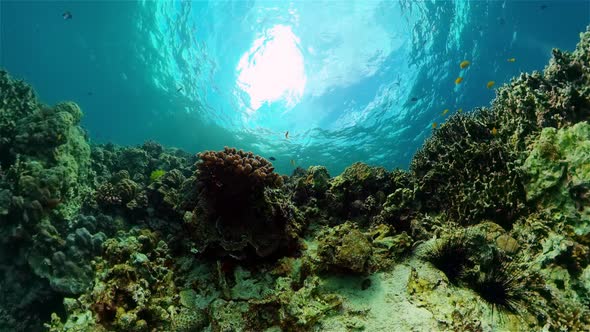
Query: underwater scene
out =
(294, 165)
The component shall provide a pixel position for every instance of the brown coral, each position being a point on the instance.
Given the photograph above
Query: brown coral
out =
(240, 207)
(228, 167)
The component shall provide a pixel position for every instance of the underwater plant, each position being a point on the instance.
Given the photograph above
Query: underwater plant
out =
(157, 174)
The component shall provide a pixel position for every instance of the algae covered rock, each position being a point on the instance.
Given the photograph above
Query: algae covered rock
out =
(558, 171)
(344, 248)
(133, 289)
(348, 249)
(312, 183)
(358, 192)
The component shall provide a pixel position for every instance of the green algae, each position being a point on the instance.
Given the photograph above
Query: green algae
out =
(559, 174)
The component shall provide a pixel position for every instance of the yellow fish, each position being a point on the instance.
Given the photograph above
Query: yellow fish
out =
(490, 84)
(494, 131)
(459, 80)
(292, 162)
(460, 110)
(445, 111)
(434, 124)
(464, 64)
(512, 60)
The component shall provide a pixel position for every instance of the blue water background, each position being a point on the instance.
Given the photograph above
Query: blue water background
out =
(123, 62)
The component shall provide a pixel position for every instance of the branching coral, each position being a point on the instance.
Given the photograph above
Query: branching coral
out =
(468, 172)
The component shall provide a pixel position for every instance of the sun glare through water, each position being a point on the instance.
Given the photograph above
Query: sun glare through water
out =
(273, 70)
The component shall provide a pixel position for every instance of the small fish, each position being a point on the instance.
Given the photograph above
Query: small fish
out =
(460, 110)
(459, 80)
(511, 60)
(490, 84)
(179, 89)
(292, 162)
(272, 158)
(445, 111)
(464, 64)
(434, 124)
(494, 131)
(67, 15)
(414, 99)
(543, 7)
(90, 93)
(287, 134)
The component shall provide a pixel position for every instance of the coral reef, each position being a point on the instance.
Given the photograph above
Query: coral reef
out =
(44, 172)
(134, 290)
(492, 218)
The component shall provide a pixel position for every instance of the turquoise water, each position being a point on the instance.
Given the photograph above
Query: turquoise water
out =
(350, 81)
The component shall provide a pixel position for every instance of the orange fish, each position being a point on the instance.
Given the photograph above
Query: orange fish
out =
(490, 84)
(459, 80)
(445, 111)
(434, 124)
(494, 131)
(460, 110)
(464, 64)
